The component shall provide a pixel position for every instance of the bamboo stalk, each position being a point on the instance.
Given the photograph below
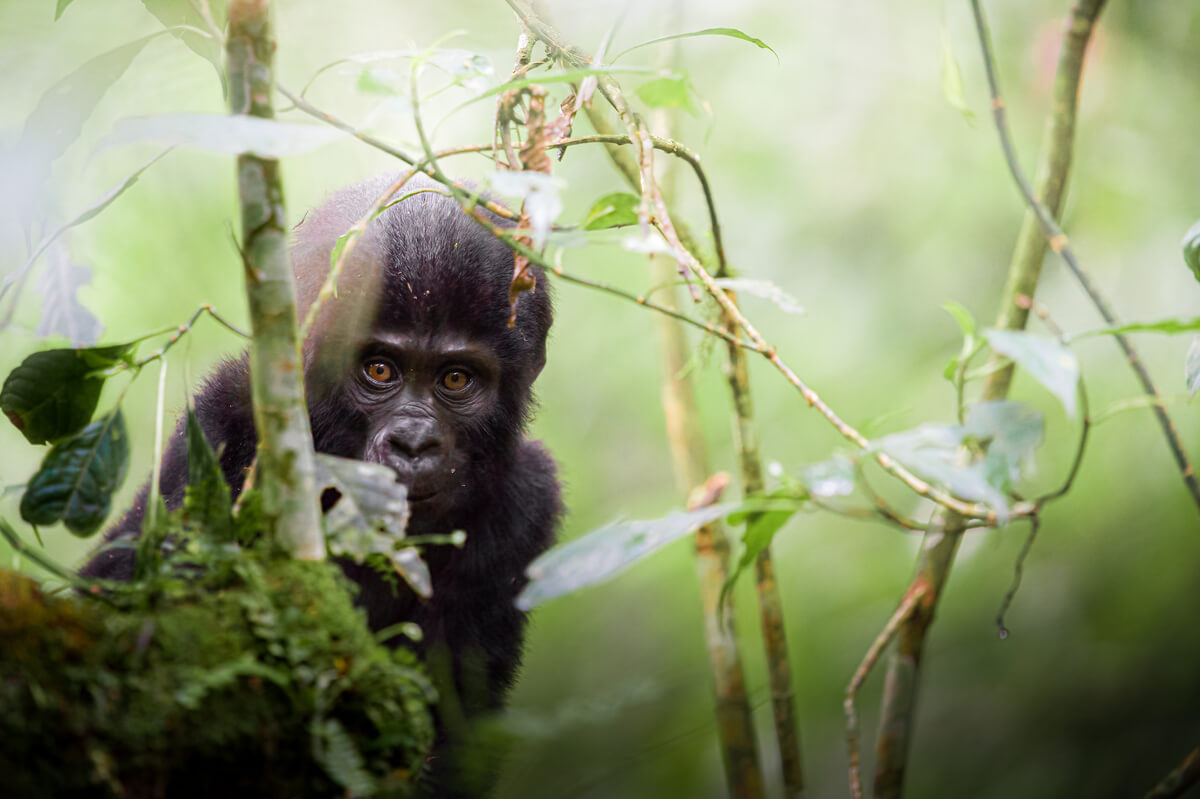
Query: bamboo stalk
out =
(940, 546)
(285, 453)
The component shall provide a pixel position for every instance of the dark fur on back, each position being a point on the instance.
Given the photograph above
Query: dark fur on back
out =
(426, 267)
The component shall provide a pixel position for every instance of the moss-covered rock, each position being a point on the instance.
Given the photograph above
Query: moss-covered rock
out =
(267, 684)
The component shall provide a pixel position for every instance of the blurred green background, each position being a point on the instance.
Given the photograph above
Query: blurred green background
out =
(842, 175)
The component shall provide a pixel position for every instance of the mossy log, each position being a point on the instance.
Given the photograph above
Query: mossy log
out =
(269, 686)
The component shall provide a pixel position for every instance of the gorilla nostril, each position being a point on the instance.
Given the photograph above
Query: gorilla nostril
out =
(415, 438)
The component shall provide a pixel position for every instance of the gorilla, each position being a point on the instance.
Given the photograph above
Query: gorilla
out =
(414, 365)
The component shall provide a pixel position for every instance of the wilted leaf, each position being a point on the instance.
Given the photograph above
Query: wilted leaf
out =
(1191, 369)
(612, 210)
(62, 314)
(173, 13)
(50, 395)
(207, 505)
(668, 93)
(77, 479)
(604, 553)
(952, 82)
(764, 289)
(1047, 361)
(369, 516)
(733, 33)
(231, 134)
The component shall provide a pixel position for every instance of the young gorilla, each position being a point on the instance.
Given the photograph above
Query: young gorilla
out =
(413, 365)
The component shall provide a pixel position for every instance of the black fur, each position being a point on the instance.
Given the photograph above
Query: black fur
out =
(428, 274)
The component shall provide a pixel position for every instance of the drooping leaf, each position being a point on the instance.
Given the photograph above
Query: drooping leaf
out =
(231, 134)
(763, 289)
(53, 393)
(175, 13)
(207, 505)
(368, 515)
(58, 118)
(77, 479)
(612, 210)
(668, 93)
(1191, 249)
(1170, 327)
(62, 313)
(1046, 360)
(1191, 368)
(761, 528)
(733, 33)
(606, 552)
(952, 81)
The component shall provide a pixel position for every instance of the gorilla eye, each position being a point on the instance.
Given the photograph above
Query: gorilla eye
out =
(456, 380)
(379, 372)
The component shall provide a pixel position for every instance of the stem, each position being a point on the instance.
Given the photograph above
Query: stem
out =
(285, 453)
(900, 687)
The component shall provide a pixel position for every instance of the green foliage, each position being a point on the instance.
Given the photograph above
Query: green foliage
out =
(606, 552)
(670, 92)
(612, 210)
(202, 41)
(76, 481)
(206, 504)
(730, 32)
(1191, 249)
(952, 81)
(54, 393)
(1046, 360)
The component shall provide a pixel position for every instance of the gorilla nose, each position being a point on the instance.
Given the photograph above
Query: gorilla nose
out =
(416, 438)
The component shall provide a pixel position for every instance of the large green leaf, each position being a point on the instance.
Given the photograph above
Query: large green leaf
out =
(52, 395)
(77, 479)
(207, 505)
(368, 516)
(604, 553)
(1046, 360)
(612, 210)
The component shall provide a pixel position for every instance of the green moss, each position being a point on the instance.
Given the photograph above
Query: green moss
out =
(263, 681)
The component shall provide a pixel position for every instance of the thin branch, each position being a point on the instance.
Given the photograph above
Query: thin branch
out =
(1035, 524)
(1059, 243)
(1182, 778)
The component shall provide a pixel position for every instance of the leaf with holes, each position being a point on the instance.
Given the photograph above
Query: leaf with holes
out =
(367, 514)
(1046, 360)
(606, 552)
(77, 479)
(53, 394)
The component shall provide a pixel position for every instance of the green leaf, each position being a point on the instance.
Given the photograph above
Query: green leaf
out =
(77, 479)
(54, 393)
(60, 8)
(1170, 327)
(207, 505)
(606, 552)
(763, 289)
(952, 82)
(1191, 369)
(174, 13)
(1047, 361)
(1012, 431)
(368, 515)
(830, 478)
(612, 210)
(231, 134)
(961, 315)
(760, 531)
(668, 93)
(336, 752)
(1191, 249)
(733, 33)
